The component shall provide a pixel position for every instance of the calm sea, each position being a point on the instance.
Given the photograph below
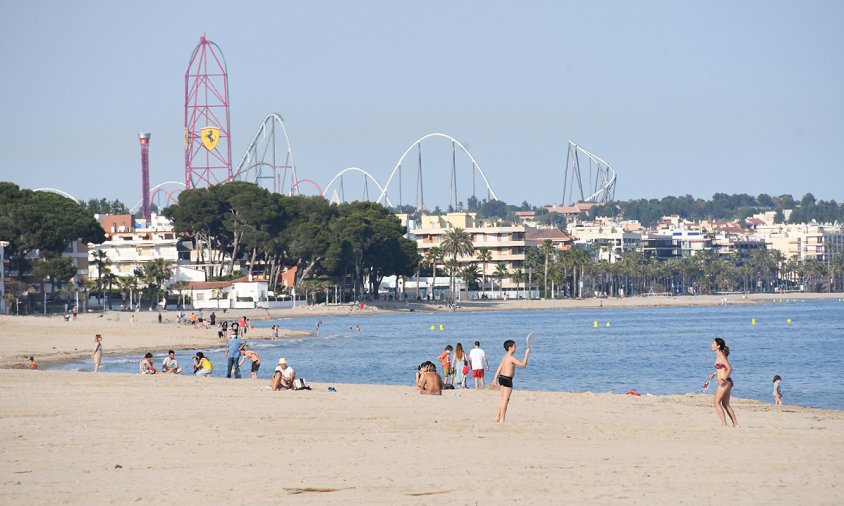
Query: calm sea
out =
(649, 350)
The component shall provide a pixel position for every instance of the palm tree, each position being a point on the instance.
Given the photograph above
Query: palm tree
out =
(484, 256)
(433, 257)
(517, 275)
(547, 249)
(110, 278)
(102, 261)
(501, 273)
(180, 287)
(128, 285)
(156, 273)
(469, 275)
(457, 242)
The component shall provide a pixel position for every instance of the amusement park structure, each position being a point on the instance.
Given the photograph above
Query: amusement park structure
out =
(145, 209)
(268, 159)
(599, 181)
(207, 135)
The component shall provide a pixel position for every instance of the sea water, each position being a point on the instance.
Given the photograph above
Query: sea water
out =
(659, 350)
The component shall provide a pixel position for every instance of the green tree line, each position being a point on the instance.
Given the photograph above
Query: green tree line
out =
(723, 207)
(242, 222)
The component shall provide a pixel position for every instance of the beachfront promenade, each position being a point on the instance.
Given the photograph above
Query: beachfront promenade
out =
(94, 438)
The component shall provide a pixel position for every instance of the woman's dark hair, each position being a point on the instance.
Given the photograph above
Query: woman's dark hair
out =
(777, 378)
(148, 355)
(199, 354)
(458, 351)
(722, 346)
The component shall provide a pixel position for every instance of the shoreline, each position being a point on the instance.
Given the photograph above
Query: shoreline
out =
(67, 341)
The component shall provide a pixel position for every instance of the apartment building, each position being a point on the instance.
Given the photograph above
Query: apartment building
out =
(506, 243)
(607, 239)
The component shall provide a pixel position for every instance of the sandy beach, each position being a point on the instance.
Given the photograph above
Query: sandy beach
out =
(84, 438)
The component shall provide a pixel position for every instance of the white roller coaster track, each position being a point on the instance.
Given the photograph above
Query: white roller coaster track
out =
(152, 190)
(244, 166)
(603, 189)
(355, 169)
(58, 192)
(419, 141)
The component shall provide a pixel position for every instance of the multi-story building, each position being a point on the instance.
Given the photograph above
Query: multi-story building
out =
(506, 243)
(607, 239)
(805, 241)
(132, 243)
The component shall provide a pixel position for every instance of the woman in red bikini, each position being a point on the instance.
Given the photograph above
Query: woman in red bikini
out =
(723, 369)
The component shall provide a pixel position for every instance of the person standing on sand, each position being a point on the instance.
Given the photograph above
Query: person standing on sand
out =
(504, 376)
(97, 354)
(460, 366)
(233, 356)
(723, 369)
(777, 393)
(478, 358)
(253, 357)
(445, 361)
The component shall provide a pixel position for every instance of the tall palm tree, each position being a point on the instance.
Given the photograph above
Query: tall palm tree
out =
(109, 278)
(517, 275)
(469, 275)
(433, 257)
(102, 261)
(484, 256)
(456, 243)
(547, 249)
(501, 273)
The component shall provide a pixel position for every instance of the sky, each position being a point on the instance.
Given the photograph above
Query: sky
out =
(678, 97)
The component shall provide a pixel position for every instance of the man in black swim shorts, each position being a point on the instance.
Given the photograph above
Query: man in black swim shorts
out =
(504, 376)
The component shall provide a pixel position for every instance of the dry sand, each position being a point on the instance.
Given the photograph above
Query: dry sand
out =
(85, 438)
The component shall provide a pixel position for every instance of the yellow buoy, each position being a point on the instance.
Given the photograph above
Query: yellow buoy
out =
(595, 324)
(788, 321)
(432, 327)
(753, 321)
(442, 328)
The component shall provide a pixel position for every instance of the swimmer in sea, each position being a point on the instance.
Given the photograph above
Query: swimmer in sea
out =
(723, 369)
(504, 376)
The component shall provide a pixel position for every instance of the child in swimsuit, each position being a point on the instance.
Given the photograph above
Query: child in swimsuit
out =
(504, 376)
(777, 393)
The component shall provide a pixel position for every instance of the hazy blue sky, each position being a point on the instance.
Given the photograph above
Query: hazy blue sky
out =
(679, 97)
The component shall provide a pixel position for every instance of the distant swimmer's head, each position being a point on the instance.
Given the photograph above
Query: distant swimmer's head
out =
(509, 343)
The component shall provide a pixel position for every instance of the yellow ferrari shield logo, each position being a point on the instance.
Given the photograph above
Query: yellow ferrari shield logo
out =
(210, 137)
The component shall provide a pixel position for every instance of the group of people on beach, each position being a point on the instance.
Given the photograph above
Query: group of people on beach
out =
(457, 366)
(237, 352)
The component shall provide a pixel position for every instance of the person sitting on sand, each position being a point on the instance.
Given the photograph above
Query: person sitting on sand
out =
(170, 365)
(283, 376)
(32, 363)
(145, 365)
(428, 381)
(201, 365)
(253, 357)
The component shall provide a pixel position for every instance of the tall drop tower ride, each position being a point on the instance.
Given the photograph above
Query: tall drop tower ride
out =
(145, 174)
(207, 137)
